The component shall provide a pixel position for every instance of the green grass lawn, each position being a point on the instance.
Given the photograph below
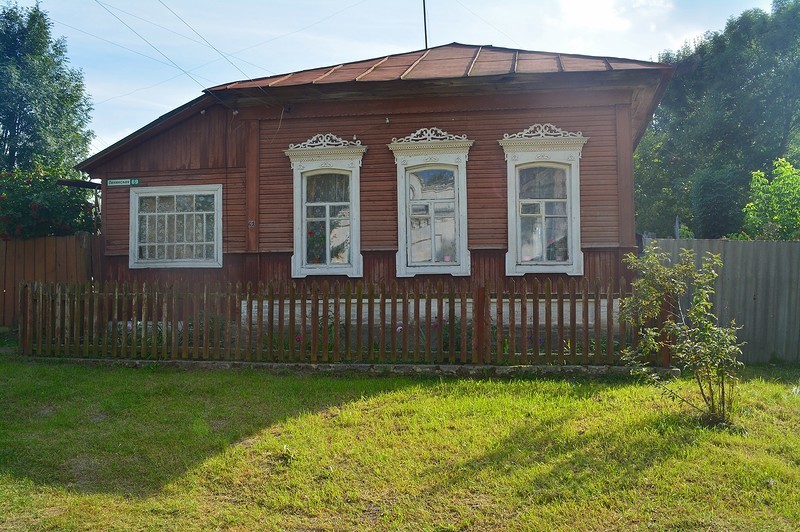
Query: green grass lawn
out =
(153, 448)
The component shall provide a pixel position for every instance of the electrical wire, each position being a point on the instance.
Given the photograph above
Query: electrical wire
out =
(154, 47)
(487, 22)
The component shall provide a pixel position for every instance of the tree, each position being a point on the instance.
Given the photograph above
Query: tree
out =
(773, 212)
(44, 110)
(732, 108)
(33, 204)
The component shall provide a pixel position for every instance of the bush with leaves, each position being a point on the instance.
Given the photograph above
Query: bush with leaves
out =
(33, 204)
(773, 212)
(691, 333)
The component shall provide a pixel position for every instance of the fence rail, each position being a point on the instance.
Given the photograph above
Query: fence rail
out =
(563, 322)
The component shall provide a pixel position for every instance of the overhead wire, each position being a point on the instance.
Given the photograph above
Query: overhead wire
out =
(154, 47)
(487, 22)
(260, 88)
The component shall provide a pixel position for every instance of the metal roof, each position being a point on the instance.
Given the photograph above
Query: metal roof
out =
(445, 62)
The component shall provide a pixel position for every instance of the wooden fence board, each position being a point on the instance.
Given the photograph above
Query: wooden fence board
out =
(420, 322)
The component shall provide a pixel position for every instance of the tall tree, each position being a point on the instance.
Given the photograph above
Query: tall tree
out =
(44, 109)
(732, 108)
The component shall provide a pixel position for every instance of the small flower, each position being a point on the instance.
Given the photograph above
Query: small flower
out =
(311, 233)
(399, 329)
(297, 338)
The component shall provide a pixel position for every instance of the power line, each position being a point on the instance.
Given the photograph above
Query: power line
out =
(165, 28)
(487, 22)
(101, 4)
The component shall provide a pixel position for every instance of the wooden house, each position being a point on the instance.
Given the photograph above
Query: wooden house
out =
(458, 160)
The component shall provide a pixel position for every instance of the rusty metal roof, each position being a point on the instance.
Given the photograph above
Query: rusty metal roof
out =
(445, 62)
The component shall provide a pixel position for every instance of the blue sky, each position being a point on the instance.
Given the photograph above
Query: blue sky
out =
(134, 53)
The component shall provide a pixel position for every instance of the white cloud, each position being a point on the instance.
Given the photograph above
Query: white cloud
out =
(597, 15)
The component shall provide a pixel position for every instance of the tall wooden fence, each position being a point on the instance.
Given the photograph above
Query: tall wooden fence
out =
(566, 322)
(759, 287)
(55, 259)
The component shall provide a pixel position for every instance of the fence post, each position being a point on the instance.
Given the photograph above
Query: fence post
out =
(479, 324)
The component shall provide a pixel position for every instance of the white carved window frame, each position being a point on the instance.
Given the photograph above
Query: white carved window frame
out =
(551, 146)
(326, 151)
(435, 148)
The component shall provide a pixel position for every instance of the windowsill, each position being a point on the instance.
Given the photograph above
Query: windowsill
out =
(173, 265)
(514, 268)
(460, 268)
(350, 270)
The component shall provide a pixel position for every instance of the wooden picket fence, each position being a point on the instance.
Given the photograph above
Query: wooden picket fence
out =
(513, 322)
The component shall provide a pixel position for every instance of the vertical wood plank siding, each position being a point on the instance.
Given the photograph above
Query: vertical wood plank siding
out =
(213, 148)
(319, 322)
(62, 259)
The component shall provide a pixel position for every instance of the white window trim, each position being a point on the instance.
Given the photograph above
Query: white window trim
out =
(544, 143)
(332, 153)
(133, 255)
(431, 147)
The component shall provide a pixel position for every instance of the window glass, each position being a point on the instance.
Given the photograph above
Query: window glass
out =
(543, 223)
(539, 182)
(327, 188)
(167, 221)
(327, 219)
(432, 216)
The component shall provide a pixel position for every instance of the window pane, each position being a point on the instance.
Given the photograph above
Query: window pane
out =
(209, 228)
(446, 239)
(445, 209)
(189, 229)
(209, 251)
(142, 229)
(170, 228)
(161, 228)
(420, 209)
(539, 182)
(316, 243)
(556, 229)
(142, 252)
(531, 239)
(198, 228)
(435, 183)
(556, 208)
(151, 229)
(420, 247)
(530, 208)
(204, 203)
(165, 204)
(328, 188)
(340, 241)
(317, 211)
(184, 203)
(147, 204)
(180, 227)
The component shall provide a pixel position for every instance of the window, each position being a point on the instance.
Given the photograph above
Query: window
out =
(543, 174)
(326, 206)
(176, 227)
(432, 203)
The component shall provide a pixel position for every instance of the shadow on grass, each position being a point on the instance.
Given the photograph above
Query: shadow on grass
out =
(570, 458)
(131, 431)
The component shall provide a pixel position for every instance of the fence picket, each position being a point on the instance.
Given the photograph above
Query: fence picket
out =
(511, 321)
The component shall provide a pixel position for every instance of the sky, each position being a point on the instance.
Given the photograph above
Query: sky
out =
(141, 59)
